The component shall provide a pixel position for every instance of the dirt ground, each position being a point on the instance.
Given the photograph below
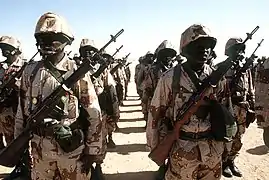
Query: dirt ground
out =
(129, 160)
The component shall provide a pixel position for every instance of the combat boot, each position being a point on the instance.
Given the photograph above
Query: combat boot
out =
(98, 172)
(226, 172)
(117, 129)
(234, 169)
(161, 172)
(110, 143)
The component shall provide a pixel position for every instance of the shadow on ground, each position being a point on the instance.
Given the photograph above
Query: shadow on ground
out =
(130, 111)
(131, 120)
(131, 105)
(146, 175)
(128, 148)
(129, 130)
(259, 150)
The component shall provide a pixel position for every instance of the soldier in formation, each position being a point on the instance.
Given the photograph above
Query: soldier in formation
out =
(11, 50)
(243, 97)
(195, 155)
(49, 158)
(164, 55)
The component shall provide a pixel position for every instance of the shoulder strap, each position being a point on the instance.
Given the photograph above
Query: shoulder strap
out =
(195, 80)
(32, 77)
(175, 85)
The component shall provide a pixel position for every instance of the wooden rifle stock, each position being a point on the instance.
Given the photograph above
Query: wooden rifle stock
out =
(160, 153)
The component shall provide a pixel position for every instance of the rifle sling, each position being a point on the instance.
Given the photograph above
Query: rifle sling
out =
(192, 75)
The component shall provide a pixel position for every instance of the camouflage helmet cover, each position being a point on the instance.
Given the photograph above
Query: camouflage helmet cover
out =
(231, 42)
(87, 42)
(165, 45)
(193, 33)
(53, 23)
(10, 41)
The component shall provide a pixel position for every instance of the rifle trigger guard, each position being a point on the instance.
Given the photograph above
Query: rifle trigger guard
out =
(67, 89)
(212, 85)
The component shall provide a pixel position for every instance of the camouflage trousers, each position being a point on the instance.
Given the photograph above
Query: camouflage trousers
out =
(108, 126)
(232, 148)
(7, 123)
(50, 162)
(195, 160)
(120, 89)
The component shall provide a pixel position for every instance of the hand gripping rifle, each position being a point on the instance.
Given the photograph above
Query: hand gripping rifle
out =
(160, 153)
(12, 154)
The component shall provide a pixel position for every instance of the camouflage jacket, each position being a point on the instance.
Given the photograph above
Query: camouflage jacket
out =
(38, 83)
(141, 76)
(137, 69)
(152, 77)
(164, 108)
(261, 93)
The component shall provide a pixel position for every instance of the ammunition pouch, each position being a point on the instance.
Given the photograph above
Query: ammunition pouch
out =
(223, 124)
(68, 139)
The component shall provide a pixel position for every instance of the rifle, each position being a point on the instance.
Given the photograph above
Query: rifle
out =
(11, 155)
(250, 116)
(160, 153)
(117, 50)
(246, 66)
(120, 64)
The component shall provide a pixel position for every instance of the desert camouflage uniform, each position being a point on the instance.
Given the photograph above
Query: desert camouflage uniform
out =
(7, 114)
(189, 158)
(261, 94)
(49, 161)
(105, 84)
(137, 71)
(244, 89)
(120, 78)
(152, 77)
(113, 118)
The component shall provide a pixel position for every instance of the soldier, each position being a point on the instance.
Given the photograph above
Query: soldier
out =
(195, 155)
(262, 98)
(50, 158)
(127, 70)
(137, 70)
(113, 111)
(120, 78)
(242, 97)
(11, 49)
(164, 54)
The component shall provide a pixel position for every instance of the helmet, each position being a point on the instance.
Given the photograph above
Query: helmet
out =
(165, 45)
(88, 43)
(193, 33)
(140, 59)
(53, 23)
(11, 42)
(231, 42)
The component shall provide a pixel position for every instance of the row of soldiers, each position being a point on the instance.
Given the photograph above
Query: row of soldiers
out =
(85, 117)
(165, 87)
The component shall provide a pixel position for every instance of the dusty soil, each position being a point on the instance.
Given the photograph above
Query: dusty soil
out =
(129, 160)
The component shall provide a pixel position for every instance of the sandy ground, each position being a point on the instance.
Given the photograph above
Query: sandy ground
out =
(129, 160)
